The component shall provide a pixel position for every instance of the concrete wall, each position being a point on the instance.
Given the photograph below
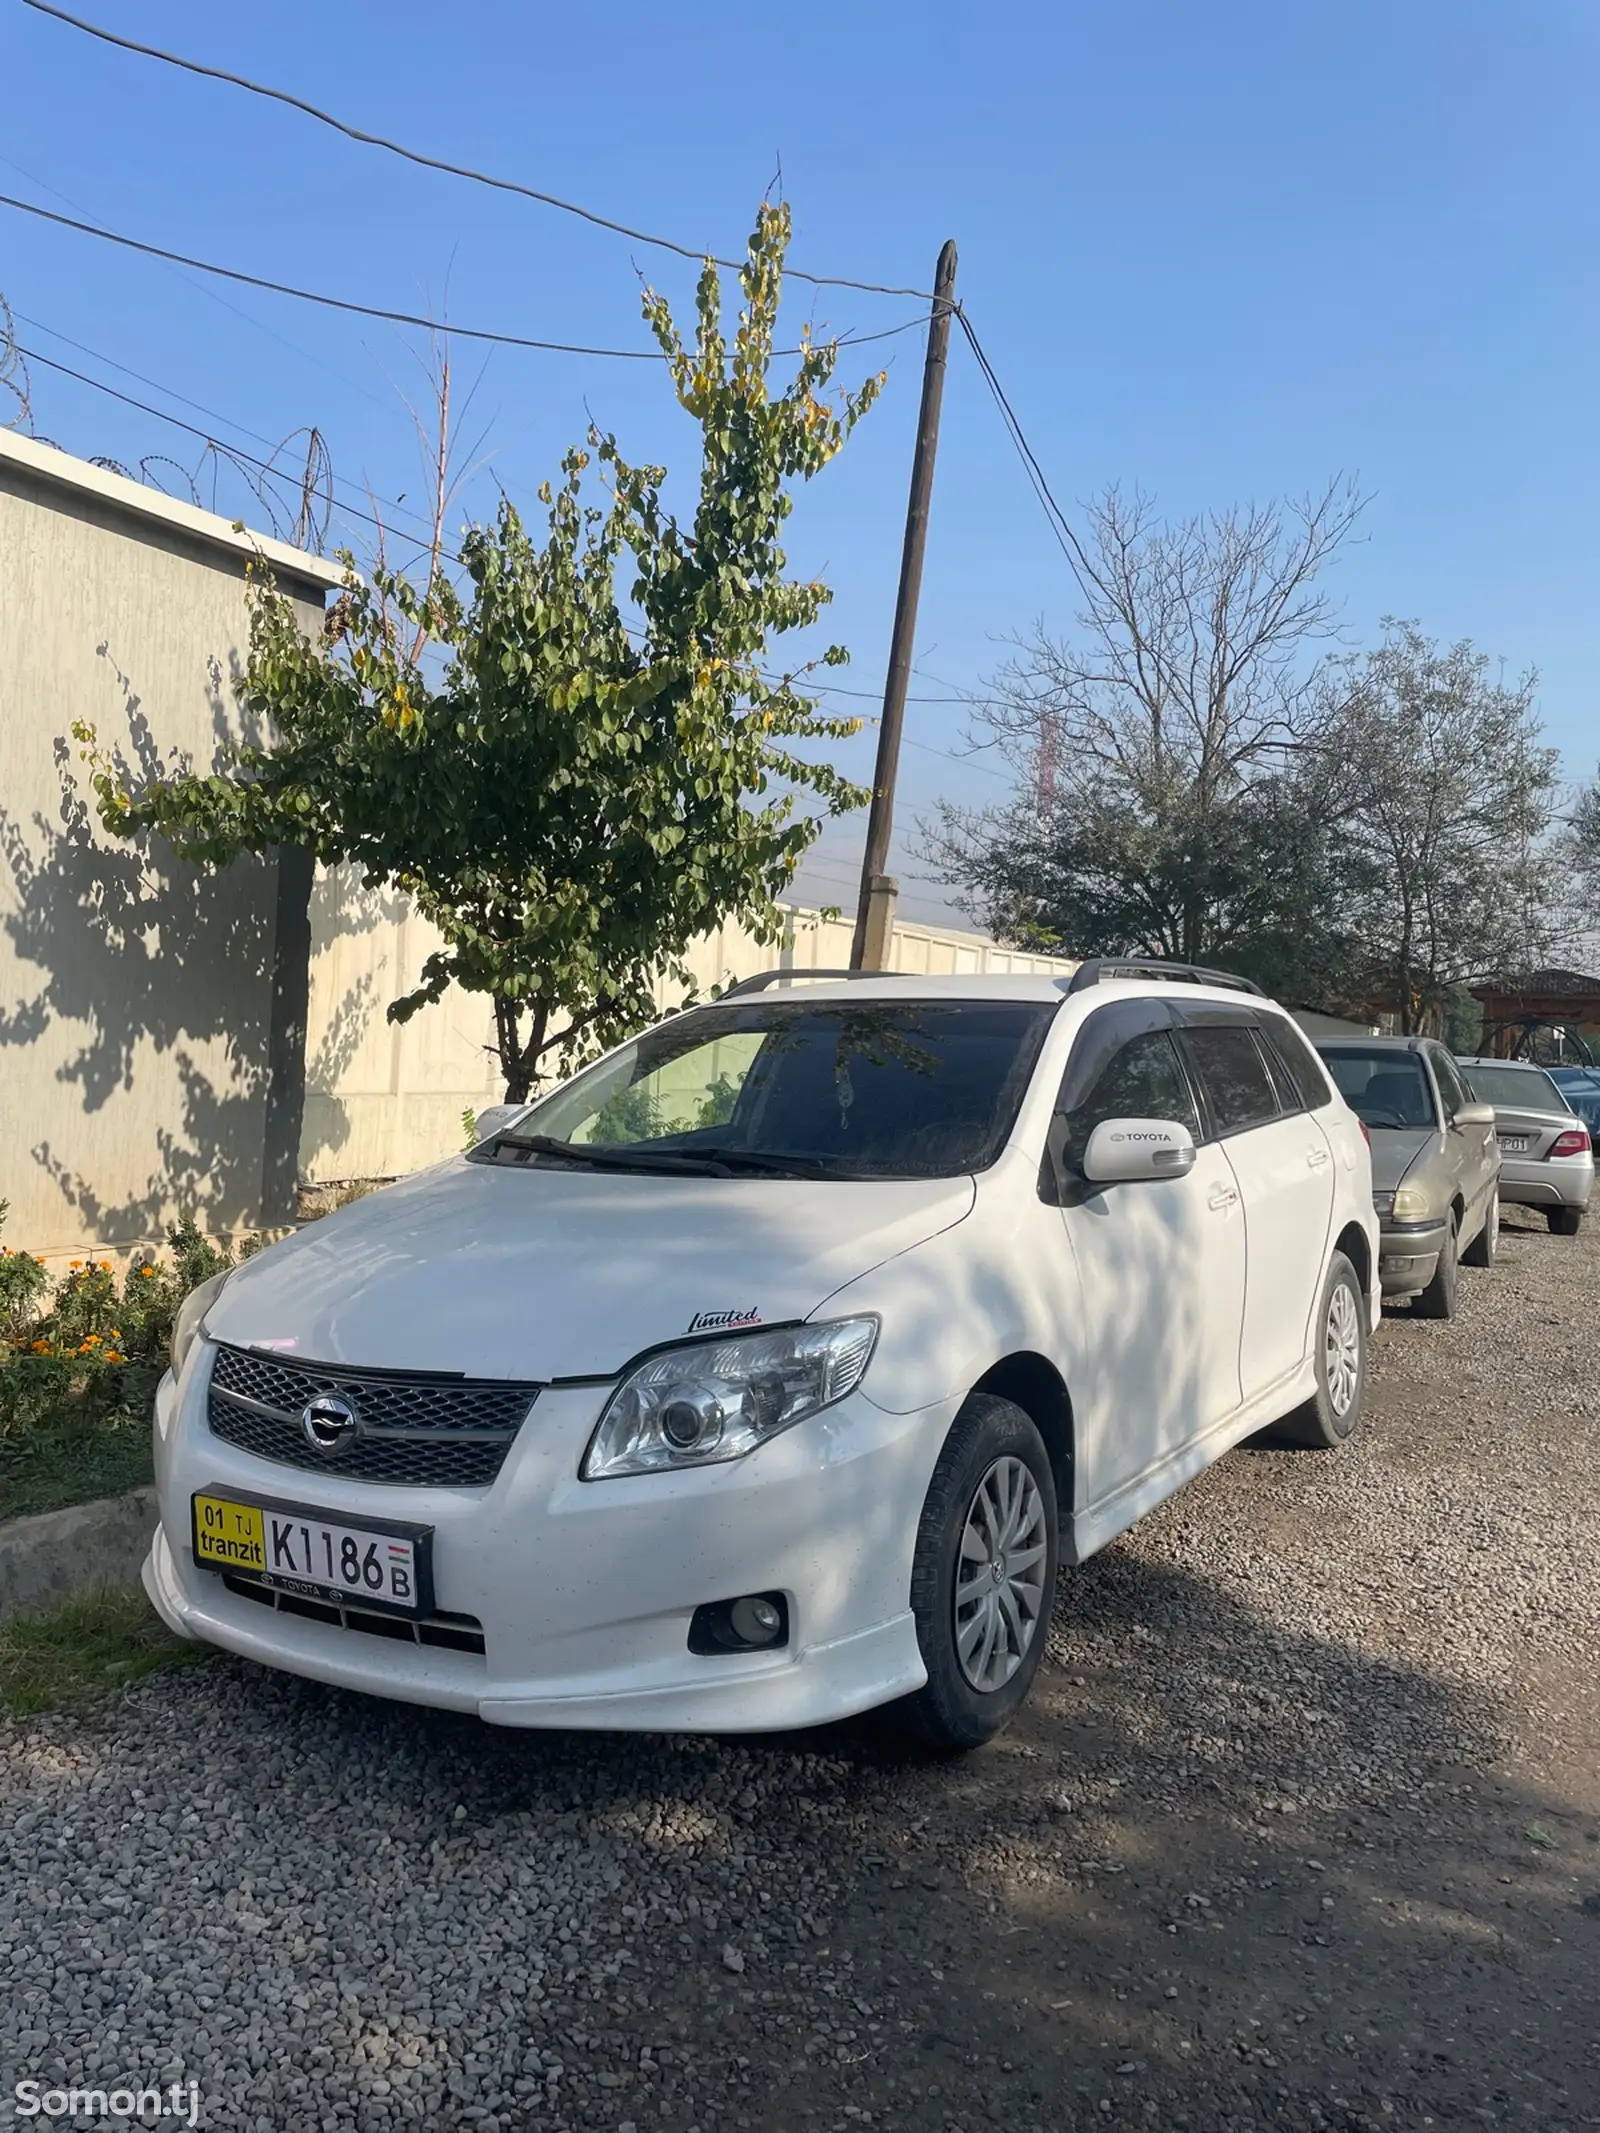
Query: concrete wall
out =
(383, 1099)
(144, 1007)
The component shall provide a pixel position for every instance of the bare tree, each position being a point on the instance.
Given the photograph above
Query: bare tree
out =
(1197, 676)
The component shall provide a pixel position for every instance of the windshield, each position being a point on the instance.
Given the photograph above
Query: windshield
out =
(883, 1089)
(1383, 1087)
(1512, 1088)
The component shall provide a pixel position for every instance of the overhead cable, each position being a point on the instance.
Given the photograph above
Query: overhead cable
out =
(454, 170)
(399, 318)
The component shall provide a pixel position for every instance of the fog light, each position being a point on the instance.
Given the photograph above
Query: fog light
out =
(756, 1622)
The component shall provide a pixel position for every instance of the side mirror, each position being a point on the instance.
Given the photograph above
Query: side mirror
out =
(1474, 1115)
(496, 1119)
(1122, 1150)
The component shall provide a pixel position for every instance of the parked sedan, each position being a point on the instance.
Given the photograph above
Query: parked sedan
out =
(1581, 1088)
(1546, 1157)
(1435, 1163)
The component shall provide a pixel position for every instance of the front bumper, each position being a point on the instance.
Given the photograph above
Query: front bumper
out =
(585, 1590)
(1408, 1255)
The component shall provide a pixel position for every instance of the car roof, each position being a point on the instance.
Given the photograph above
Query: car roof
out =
(992, 985)
(1523, 1066)
(1373, 1044)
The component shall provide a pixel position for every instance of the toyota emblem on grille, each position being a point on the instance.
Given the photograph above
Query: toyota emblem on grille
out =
(330, 1423)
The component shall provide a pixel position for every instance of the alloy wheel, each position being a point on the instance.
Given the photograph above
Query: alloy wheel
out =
(1000, 1575)
(1342, 1348)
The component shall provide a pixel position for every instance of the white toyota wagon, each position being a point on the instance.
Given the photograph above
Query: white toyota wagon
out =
(769, 1369)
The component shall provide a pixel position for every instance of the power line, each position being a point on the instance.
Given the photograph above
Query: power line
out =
(155, 384)
(1060, 524)
(399, 318)
(215, 296)
(832, 688)
(454, 170)
(261, 465)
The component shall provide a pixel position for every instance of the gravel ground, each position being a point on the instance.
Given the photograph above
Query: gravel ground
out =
(1301, 1831)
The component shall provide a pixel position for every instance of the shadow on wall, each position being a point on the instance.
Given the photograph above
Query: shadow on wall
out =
(154, 993)
(340, 909)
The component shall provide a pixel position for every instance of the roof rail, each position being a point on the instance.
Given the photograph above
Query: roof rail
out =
(1098, 968)
(764, 978)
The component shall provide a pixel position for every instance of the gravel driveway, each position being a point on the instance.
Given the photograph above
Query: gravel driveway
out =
(1301, 1831)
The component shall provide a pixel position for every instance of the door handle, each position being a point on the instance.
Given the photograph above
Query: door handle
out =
(1316, 1157)
(1221, 1197)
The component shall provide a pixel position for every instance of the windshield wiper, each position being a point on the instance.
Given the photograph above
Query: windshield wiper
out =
(619, 1158)
(773, 1164)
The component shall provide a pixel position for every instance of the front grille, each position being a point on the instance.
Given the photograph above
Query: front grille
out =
(454, 1633)
(416, 1432)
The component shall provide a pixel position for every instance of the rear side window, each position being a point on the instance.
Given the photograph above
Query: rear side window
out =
(1234, 1075)
(1291, 1049)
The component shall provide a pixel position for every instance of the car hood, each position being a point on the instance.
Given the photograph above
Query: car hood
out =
(1394, 1151)
(544, 1273)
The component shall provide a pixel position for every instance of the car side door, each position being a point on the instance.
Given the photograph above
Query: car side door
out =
(1284, 1168)
(1160, 1268)
(1473, 1150)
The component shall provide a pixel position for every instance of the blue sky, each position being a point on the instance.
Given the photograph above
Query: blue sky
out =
(1219, 252)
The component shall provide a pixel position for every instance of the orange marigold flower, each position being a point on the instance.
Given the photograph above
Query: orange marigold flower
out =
(105, 1266)
(113, 1357)
(75, 1264)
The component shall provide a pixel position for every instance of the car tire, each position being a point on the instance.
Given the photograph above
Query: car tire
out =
(1564, 1221)
(1438, 1299)
(994, 1467)
(1481, 1251)
(1339, 1348)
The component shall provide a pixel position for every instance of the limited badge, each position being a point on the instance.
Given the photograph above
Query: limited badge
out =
(721, 1321)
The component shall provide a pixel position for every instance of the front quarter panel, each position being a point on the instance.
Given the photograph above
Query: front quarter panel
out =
(955, 1305)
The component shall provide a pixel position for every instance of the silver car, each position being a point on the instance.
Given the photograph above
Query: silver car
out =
(1546, 1159)
(1435, 1163)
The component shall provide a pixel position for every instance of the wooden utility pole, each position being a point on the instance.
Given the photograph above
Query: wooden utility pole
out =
(875, 883)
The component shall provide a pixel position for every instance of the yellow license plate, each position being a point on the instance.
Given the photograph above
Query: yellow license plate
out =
(228, 1535)
(298, 1549)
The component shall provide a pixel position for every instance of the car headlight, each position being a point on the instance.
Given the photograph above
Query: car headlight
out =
(717, 1400)
(1383, 1203)
(191, 1314)
(1411, 1204)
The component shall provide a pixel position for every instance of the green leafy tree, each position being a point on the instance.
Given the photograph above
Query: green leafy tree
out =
(1448, 791)
(1261, 886)
(573, 782)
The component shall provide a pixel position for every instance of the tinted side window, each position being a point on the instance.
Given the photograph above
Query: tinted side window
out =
(1234, 1077)
(1296, 1054)
(1450, 1089)
(1145, 1079)
(1282, 1082)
